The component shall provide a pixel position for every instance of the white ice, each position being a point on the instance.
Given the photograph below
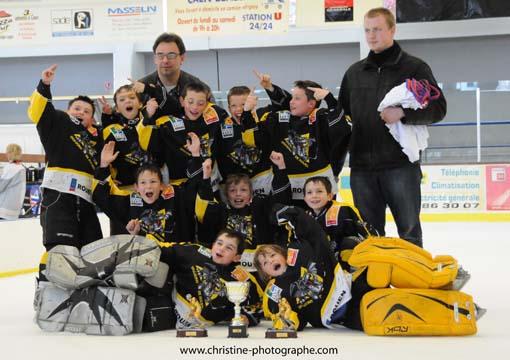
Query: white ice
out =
(482, 248)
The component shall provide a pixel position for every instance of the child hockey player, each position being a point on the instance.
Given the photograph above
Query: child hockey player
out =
(308, 277)
(341, 221)
(72, 145)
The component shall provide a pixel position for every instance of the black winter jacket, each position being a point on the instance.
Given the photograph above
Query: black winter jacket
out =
(363, 87)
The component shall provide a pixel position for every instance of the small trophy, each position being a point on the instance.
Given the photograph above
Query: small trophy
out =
(196, 329)
(237, 292)
(282, 324)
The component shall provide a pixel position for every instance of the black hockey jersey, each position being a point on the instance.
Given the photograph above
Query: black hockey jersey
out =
(196, 275)
(72, 151)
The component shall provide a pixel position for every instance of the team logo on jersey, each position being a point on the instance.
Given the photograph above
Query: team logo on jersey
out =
(72, 186)
(205, 146)
(240, 274)
(209, 283)
(274, 293)
(312, 117)
(292, 255)
(244, 156)
(332, 216)
(155, 222)
(204, 251)
(308, 287)
(118, 134)
(135, 200)
(284, 116)
(299, 146)
(75, 120)
(168, 192)
(227, 131)
(241, 224)
(210, 115)
(136, 156)
(83, 142)
(177, 124)
(92, 130)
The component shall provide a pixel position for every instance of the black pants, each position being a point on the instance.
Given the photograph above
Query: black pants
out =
(67, 219)
(397, 188)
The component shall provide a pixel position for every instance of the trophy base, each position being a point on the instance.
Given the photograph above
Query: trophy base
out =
(237, 331)
(192, 332)
(281, 334)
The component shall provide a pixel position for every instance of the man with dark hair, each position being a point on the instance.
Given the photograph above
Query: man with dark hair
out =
(381, 173)
(167, 82)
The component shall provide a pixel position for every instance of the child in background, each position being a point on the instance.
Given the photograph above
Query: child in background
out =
(12, 184)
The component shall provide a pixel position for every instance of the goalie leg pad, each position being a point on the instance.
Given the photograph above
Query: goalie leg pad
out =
(404, 265)
(94, 310)
(63, 263)
(116, 260)
(124, 256)
(410, 312)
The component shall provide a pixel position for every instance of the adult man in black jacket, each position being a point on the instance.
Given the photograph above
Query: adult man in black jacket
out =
(381, 174)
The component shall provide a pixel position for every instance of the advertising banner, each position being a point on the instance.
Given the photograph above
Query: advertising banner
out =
(30, 23)
(453, 188)
(456, 192)
(498, 187)
(338, 10)
(220, 17)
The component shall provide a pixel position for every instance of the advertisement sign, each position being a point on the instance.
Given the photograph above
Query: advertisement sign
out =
(453, 188)
(220, 17)
(498, 187)
(338, 10)
(38, 23)
(456, 192)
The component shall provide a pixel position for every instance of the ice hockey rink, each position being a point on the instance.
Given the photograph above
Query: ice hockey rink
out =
(482, 248)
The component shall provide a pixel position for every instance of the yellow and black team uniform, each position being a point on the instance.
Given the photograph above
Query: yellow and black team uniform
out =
(196, 275)
(240, 146)
(68, 215)
(397, 289)
(252, 221)
(344, 227)
(314, 283)
(313, 145)
(169, 219)
(131, 156)
(166, 139)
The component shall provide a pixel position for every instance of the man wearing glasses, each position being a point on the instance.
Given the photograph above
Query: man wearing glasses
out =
(169, 55)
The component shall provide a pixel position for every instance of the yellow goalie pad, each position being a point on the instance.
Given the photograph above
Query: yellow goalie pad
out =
(411, 312)
(397, 262)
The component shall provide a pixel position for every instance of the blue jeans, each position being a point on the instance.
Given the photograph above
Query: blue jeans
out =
(397, 188)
